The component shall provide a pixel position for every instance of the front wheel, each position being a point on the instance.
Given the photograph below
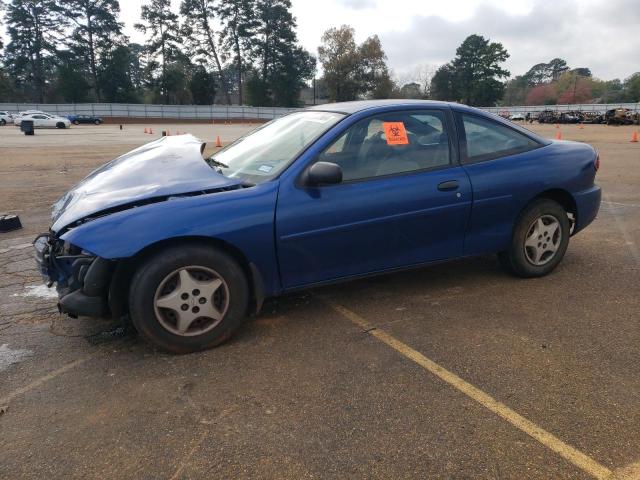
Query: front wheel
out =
(97, 122)
(189, 298)
(540, 240)
(3, 122)
(60, 125)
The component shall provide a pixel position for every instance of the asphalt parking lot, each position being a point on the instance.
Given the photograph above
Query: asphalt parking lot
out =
(454, 371)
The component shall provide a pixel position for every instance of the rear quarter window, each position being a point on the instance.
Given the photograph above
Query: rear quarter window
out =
(485, 139)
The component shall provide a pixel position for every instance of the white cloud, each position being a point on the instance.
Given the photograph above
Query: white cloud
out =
(358, 4)
(599, 34)
(585, 33)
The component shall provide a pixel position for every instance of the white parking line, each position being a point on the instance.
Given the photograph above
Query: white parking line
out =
(633, 247)
(185, 461)
(44, 379)
(576, 457)
(622, 204)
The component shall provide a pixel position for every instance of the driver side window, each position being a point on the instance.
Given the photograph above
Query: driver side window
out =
(391, 143)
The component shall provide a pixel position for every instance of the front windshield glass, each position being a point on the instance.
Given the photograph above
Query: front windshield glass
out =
(265, 152)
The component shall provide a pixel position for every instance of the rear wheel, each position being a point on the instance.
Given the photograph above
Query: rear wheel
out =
(60, 125)
(189, 298)
(3, 122)
(540, 240)
(76, 122)
(97, 122)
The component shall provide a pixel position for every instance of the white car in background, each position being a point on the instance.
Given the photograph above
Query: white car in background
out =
(19, 115)
(517, 117)
(44, 120)
(5, 117)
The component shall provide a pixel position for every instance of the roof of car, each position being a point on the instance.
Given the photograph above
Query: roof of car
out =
(358, 106)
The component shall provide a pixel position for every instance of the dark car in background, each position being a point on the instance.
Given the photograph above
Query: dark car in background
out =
(78, 119)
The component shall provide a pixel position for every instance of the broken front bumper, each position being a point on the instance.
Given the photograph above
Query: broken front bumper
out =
(82, 280)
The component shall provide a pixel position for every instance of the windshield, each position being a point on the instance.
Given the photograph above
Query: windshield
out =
(267, 151)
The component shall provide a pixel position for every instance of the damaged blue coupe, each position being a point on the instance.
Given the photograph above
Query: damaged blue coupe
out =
(188, 246)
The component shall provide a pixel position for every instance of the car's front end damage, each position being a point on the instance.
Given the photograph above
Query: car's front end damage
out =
(161, 171)
(81, 278)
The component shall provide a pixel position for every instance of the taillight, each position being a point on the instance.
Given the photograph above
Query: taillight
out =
(596, 165)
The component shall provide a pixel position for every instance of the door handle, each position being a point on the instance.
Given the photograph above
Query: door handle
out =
(448, 186)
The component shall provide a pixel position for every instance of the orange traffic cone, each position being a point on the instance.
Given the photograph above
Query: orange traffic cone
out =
(557, 125)
(218, 142)
(634, 137)
(146, 130)
(581, 127)
(559, 135)
(150, 131)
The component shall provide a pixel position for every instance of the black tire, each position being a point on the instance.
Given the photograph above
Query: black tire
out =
(76, 122)
(3, 122)
(97, 122)
(155, 269)
(516, 258)
(60, 125)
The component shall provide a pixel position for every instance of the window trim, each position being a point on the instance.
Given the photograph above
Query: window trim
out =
(462, 140)
(452, 139)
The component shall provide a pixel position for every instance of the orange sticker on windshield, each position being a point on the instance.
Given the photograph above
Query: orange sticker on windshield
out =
(395, 133)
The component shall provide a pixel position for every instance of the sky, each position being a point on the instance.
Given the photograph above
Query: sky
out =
(423, 34)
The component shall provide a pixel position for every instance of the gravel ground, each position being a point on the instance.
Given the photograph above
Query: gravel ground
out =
(308, 389)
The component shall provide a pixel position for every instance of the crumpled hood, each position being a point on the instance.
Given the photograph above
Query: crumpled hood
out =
(168, 166)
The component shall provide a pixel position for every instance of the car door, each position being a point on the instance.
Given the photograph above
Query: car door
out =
(504, 169)
(404, 200)
(40, 120)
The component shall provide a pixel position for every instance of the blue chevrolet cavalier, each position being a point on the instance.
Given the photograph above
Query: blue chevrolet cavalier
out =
(188, 246)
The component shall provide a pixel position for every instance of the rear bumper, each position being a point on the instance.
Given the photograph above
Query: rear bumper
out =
(588, 205)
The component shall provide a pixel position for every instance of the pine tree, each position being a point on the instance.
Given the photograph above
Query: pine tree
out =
(239, 21)
(202, 38)
(477, 71)
(120, 74)
(280, 65)
(1, 10)
(71, 82)
(96, 31)
(441, 87)
(5, 84)
(35, 29)
(202, 86)
(163, 27)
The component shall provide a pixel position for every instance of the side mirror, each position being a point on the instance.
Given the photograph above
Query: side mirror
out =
(324, 173)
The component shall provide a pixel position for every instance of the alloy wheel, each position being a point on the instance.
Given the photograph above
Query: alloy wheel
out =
(191, 301)
(543, 240)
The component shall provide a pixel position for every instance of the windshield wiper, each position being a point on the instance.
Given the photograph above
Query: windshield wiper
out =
(217, 163)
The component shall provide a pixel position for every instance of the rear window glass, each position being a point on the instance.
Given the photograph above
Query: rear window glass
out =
(486, 139)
